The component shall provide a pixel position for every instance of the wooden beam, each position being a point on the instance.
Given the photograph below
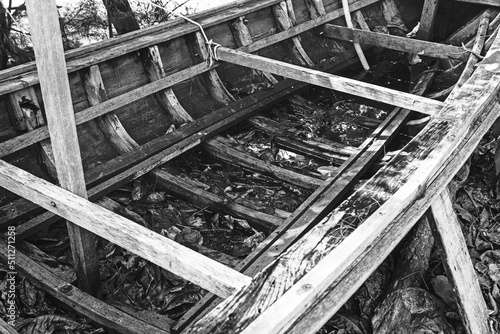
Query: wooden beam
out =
(357, 47)
(84, 304)
(6, 328)
(459, 266)
(153, 247)
(54, 84)
(331, 81)
(494, 3)
(427, 19)
(422, 48)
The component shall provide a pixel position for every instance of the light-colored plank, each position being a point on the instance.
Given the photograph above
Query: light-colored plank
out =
(153, 247)
(476, 49)
(54, 83)
(395, 188)
(459, 266)
(357, 47)
(494, 3)
(331, 81)
(392, 42)
(6, 328)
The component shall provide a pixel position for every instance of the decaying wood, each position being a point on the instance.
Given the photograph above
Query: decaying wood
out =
(318, 204)
(392, 16)
(422, 48)
(482, 2)
(220, 148)
(202, 198)
(162, 251)
(60, 116)
(281, 14)
(6, 328)
(459, 265)
(84, 304)
(313, 151)
(386, 95)
(476, 49)
(109, 123)
(357, 47)
(378, 201)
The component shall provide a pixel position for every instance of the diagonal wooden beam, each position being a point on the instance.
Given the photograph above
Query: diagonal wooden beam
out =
(422, 48)
(458, 265)
(331, 81)
(153, 247)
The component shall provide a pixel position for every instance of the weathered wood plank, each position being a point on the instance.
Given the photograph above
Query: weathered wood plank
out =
(357, 47)
(6, 328)
(153, 247)
(345, 85)
(346, 286)
(54, 84)
(476, 49)
(422, 48)
(31, 78)
(219, 148)
(459, 266)
(364, 216)
(322, 201)
(202, 198)
(84, 304)
(494, 3)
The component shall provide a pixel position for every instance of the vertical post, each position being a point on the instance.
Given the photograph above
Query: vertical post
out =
(427, 19)
(54, 83)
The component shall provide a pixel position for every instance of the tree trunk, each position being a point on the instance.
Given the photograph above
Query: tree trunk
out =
(121, 16)
(4, 37)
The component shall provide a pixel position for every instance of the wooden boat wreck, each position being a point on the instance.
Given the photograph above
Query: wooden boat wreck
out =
(128, 91)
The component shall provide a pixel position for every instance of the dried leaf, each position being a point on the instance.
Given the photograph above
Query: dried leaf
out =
(444, 289)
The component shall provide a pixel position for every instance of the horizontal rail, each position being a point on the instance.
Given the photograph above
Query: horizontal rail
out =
(331, 81)
(422, 48)
(482, 2)
(168, 254)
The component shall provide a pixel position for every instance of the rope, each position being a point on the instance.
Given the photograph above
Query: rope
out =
(211, 45)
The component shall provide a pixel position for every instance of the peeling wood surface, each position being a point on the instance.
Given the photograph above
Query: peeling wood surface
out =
(345, 85)
(422, 48)
(397, 186)
(84, 304)
(459, 265)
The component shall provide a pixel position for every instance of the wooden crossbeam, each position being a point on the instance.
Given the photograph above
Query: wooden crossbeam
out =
(482, 2)
(422, 48)
(459, 266)
(153, 247)
(331, 81)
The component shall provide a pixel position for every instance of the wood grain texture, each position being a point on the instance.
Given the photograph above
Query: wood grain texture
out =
(84, 304)
(459, 265)
(54, 84)
(345, 85)
(494, 3)
(6, 328)
(422, 48)
(358, 221)
(151, 246)
(427, 19)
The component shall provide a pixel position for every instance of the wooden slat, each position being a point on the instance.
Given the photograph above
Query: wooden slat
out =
(202, 198)
(345, 85)
(459, 266)
(322, 201)
(357, 47)
(219, 148)
(395, 188)
(84, 304)
(340, 292)
(153, 247)
(54, 84)
(6, 328)
(494, 3)
(422, 48)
